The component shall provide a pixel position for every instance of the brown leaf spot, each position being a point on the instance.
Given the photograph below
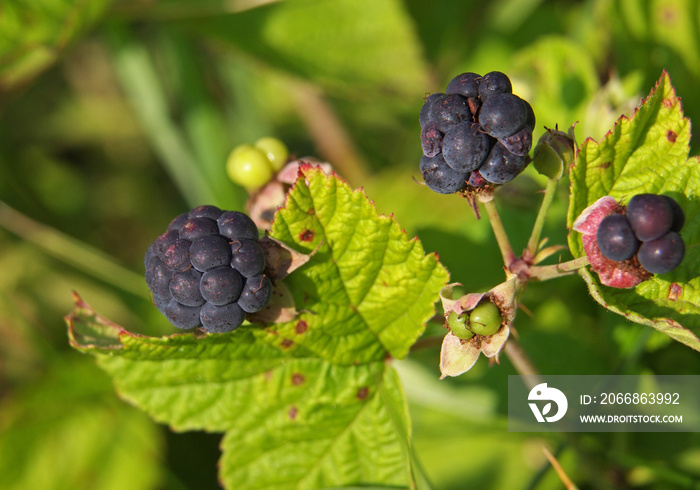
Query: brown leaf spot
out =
(287, 343)
(671, 136)
(297, 379)
(674, 292)
(667, 103)
(301, 327)
(362, 393)
(306, 236)
(311, 212)
(293, 412)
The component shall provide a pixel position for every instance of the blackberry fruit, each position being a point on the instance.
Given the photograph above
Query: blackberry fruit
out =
(197, 270)
(476, 133)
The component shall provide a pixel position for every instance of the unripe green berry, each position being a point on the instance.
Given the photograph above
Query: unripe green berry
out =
(458, 325)
(275, 151)
(248, 166)
(485, 319)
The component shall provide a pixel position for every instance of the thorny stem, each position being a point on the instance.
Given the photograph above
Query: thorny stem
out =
(499, 232)
(534, 241)
(545, 272)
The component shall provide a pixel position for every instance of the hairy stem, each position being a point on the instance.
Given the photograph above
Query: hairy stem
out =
(545, 272)
(499, 232)
(534, 241)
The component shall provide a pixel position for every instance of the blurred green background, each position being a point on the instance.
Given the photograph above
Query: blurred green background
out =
(115, 116)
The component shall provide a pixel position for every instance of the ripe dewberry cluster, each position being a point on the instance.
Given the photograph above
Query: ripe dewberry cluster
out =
(475, 133)
(207, 270)
(648, 229)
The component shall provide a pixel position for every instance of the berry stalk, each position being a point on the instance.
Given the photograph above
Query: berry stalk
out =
(500, 232)
(534, 241)
(545, 272)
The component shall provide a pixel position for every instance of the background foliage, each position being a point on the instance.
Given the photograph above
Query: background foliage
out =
(116, 116)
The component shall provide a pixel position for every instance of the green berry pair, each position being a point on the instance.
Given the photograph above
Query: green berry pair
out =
(483, 320)
(252, 166)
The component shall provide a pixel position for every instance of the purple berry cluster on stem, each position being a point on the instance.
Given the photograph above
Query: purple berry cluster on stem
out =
(649, 229)
(476, 133)
(207, 270)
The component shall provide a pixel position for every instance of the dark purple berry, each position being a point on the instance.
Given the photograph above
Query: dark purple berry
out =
(207, 211)
(465, 147)
(448, 110)
(194, 270)
(466, 85)
(248, 257)
(221, 319)
(663, 254)
(182, 316)
(177, 221)
(431, 139)
(424, 116)
(650, 216)
(164, 241)
(494, 83)
(615, 238)
(193, 228)
(256, 294)
(234, 225)
(210, 251)
(158, 278)
(503, 115)
(221, 286)
(519, 143)
(530, 120)
(502, 166)
(184, 287)
(177, 255)
(439, 177)
(161, 303)
(678, 214)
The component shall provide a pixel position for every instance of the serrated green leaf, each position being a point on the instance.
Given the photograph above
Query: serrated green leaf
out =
(309, 403)
(292, 420)
(369, 289)
(330, 437)
(646, 153)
